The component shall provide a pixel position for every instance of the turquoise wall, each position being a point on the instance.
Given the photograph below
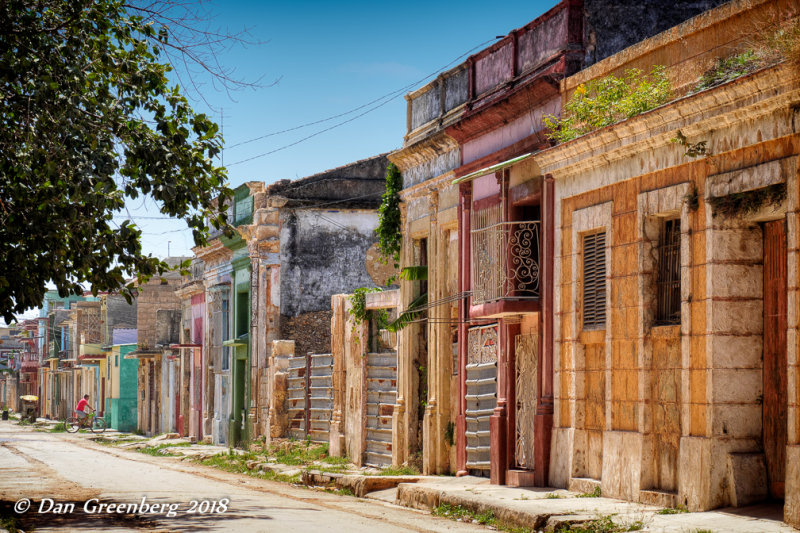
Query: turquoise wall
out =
(124, 409)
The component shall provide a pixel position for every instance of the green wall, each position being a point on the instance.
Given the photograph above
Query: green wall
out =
(123, 410)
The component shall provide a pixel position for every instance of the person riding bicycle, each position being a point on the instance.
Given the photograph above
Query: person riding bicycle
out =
(80, 409)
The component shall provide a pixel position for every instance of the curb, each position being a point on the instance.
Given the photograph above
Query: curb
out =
(359, 485)
(427, 498)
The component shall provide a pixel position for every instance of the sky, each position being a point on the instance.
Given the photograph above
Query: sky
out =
(317, 59)
(313, 60)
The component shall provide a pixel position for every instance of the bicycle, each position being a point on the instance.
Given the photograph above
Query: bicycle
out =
(93, 422)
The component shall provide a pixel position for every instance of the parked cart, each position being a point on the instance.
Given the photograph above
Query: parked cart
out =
(29, 407)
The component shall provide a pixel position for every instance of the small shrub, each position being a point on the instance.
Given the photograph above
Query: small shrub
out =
(602, 102)
(743, 203)
(58, 428)
(729, 68)
(553, 496)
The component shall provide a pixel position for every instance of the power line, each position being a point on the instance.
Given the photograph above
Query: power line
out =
(388, 97)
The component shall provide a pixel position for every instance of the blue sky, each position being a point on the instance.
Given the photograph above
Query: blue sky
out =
(328, 58)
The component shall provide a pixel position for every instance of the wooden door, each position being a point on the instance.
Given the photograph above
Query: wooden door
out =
(775, 401)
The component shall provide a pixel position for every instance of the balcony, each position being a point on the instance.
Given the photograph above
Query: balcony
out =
(505, 264)
(544, 50)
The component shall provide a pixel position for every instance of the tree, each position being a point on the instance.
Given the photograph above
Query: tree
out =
(88, 119)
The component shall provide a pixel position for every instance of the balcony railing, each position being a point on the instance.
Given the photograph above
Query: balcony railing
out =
(505, 259)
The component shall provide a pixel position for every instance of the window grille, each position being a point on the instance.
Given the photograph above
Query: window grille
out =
(594, 281)
(668, 274)
(505, 256)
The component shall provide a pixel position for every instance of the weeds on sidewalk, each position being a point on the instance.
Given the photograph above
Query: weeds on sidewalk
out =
(604, 524)
(485, 518)
(596, 493)
(61, 427)
(397, 471)
(164, 449)
(341, 492)
(674, 510)
(10, 523)
(238, 464)
(553, 496)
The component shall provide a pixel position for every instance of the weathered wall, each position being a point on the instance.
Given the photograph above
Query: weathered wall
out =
(676, 409)
(119, 314)
(311, 332)
(357, 185)
(323, 253)
(157, 294)
(611, 25)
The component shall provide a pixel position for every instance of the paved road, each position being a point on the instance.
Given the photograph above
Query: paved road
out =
(54, 470)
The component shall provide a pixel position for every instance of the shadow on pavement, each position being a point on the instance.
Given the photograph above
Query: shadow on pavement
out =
(71, 515)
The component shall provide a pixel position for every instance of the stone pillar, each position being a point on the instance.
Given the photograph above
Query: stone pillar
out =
(282, 350)
(336, 442)
(401, 416)
(436, 453)
(543, 428)
(464, 285)
(791, 511)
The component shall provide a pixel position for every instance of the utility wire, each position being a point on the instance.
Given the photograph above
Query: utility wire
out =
(390, 95)
(388, 98)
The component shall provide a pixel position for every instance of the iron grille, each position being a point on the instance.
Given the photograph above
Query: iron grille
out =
(668, 275)
(594, 281)
(505, 257)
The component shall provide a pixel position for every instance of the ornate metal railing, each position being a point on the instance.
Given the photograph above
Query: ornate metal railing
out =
(505, 258)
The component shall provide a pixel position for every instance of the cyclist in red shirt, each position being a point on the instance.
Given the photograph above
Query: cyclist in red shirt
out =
(80, 409)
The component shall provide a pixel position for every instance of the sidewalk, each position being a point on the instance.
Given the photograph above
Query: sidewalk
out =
(551, 509)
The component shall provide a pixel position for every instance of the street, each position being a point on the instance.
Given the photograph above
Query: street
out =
(54, 470)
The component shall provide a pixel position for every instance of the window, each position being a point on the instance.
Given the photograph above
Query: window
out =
(594, 281)
(668, 274)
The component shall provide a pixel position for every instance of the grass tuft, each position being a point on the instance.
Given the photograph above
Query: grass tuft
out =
(596, 493)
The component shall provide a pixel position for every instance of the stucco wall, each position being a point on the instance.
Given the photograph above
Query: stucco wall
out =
(323, 253)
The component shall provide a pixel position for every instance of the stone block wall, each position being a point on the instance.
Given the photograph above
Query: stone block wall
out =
(155, 295)
(672, 414)
(311, 332)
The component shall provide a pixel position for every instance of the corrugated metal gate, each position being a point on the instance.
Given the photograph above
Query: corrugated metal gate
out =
(381, 397)
(481, 397)
(309, 396)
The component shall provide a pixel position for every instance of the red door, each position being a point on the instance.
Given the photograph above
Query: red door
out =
(775, 402)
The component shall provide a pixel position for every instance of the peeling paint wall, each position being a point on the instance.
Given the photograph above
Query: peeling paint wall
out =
(323, 253)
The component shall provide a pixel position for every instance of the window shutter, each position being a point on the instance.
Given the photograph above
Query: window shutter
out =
(594, 281)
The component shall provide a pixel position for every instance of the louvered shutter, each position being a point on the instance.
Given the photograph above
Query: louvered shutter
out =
(594, 281)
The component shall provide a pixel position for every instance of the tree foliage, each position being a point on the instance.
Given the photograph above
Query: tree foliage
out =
(88, 119)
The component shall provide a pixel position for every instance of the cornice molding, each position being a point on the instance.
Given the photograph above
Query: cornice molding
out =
(423, 151)
(749, 97)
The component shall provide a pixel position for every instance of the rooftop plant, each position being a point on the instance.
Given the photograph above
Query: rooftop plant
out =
(605, 101)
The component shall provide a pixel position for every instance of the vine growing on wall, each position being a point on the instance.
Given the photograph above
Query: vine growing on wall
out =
(389, 230)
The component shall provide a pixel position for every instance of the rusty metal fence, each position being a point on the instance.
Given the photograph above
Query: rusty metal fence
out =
(309, 396)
